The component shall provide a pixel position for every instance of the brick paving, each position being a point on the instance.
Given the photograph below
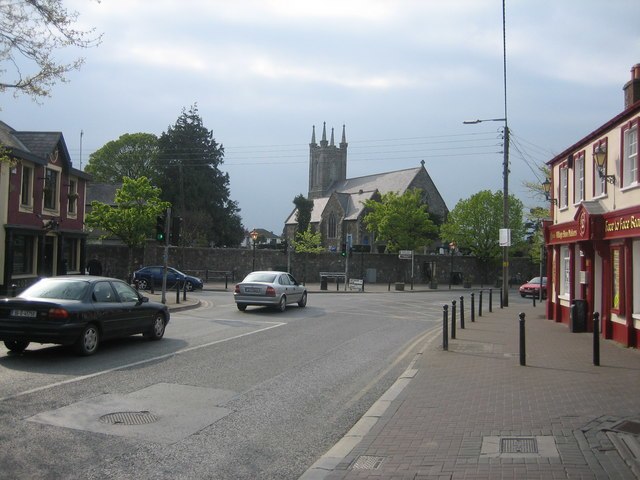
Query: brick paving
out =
(473, 412)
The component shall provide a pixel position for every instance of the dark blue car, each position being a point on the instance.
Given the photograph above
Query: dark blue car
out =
(152, 276)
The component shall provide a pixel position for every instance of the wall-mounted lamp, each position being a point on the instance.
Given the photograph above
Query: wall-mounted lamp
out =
(546, 187)
(600, 159)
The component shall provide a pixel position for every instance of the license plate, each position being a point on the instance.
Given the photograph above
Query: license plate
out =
(24, 313)
(252, 289)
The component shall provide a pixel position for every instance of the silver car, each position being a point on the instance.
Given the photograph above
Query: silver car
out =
(274, 289)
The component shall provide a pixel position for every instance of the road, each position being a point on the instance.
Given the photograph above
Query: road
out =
(225, 395)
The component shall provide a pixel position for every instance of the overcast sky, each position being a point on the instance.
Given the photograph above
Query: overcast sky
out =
(402, 76)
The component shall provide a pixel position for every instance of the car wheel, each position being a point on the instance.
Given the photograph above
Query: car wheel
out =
(142, 284)
(157, 327)
(16, 346)
(303, 301)
(282, 304)
(87, 343)
(241, 306)
(189, 286)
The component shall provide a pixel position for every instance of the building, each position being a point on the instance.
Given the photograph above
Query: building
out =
(338, 201)
(42, 208)
(593, 239)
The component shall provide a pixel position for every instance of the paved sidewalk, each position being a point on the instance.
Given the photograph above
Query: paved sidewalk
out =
(473, 412)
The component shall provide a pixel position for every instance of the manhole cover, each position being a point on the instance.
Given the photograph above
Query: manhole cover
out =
(629, 427)
(518, 445)
(367, 462)
(129, 418)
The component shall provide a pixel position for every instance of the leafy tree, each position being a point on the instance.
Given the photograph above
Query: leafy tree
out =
(303, 215)
(307, 242)
(474, 224)
(133, 155)
(133, 217)
(402, 221)
(31, 32)
(189, 175)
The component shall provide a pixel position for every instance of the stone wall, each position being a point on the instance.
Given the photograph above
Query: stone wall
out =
(373, 267)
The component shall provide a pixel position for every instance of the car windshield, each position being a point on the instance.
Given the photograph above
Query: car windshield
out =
(60, 289)
(260, 277)
(537, 280)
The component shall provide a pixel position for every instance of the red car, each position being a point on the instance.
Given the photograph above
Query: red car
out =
(532, 288)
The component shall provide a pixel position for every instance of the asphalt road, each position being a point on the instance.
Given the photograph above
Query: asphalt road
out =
(225, 395)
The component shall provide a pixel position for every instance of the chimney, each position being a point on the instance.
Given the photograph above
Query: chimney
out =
(632, 87)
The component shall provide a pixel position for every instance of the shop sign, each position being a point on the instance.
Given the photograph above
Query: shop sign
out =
(622, 225)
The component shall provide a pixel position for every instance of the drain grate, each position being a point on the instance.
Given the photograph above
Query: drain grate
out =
(518, 445)
(129, 418)
(628, 426)
(367, 462)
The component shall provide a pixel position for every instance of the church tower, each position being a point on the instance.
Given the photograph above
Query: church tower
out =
(327, 163)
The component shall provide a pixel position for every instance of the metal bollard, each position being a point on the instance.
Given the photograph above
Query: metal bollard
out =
(473, 307)
(596, 339)
(523, 348)
(445, 327)
(490, 300)
(501, 300)
(184, 291)
(461, 311)
(453, 319)
(480, 304)
(178, 292)
(534, 300)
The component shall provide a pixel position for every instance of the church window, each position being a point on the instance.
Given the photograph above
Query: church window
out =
(332, 230)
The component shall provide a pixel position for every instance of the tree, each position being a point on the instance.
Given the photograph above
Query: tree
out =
(307, 242)
(31, 32)
(189, 175)
(303, 215)
(474, 224)
(133, 155)
(132, 219)
(402, 221)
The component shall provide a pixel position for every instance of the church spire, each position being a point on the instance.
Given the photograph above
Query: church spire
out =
(323, 142)
(313, 136)
(344, 136)
(332, 142)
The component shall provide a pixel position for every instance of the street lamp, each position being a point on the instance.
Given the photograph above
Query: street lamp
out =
(546, 187)
(600, 159)
(254, 237)
(505, 205)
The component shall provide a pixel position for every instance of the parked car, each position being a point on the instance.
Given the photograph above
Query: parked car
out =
(532, 288)
(148, 276)
(274, 289)
(79, 310)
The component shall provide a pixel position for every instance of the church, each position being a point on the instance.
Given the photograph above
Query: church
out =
(338, 201)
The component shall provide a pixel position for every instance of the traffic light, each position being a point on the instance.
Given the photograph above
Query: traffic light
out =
(343, 250)
(176, 224)
(160, 228)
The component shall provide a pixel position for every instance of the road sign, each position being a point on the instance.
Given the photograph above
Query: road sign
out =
(405, 254)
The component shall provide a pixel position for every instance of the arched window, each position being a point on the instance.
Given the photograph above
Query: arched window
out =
(332, 230)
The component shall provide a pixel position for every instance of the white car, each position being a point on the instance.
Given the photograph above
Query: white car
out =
(273, 289)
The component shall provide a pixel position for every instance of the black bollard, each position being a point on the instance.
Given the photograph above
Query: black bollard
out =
(596, 339)
(178, 292)
(480, 304)
(461, 311)
(445, 327)
(473, 307)
(453, 319)
(184, 291)
(501, 300)
(490, 300)
(523, 348)
(534, 299)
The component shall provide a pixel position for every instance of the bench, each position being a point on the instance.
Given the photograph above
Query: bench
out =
(338, 276)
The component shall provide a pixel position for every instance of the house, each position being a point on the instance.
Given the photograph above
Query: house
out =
(338, 201)
(593, 239)
(264, 239)
(42, 208)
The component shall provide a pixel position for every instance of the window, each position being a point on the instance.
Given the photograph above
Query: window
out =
(630, 155)
(23, 255)
(73, 197)
(578, 179)
(565, 271)
(617, 268)
(51, 189)
(564, 187)
(26, 193)
(332, 228)
(71, 252)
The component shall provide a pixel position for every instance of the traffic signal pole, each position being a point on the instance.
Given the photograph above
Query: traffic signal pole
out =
(165, 255)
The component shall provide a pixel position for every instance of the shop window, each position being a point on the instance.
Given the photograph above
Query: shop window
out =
(630, 155)
(617, 277)
(565, 271)
(26, 190)
(71, 253)
(23, 254)
(578, 179)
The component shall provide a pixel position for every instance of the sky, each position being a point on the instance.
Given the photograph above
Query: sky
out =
(400, 75)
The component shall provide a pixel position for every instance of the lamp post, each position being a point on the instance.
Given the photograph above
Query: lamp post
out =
(600, 159)
(254, 237)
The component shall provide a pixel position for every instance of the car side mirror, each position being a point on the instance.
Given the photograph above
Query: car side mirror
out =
(142, 299)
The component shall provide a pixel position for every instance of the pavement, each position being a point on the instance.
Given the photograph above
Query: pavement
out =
(485, 409)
